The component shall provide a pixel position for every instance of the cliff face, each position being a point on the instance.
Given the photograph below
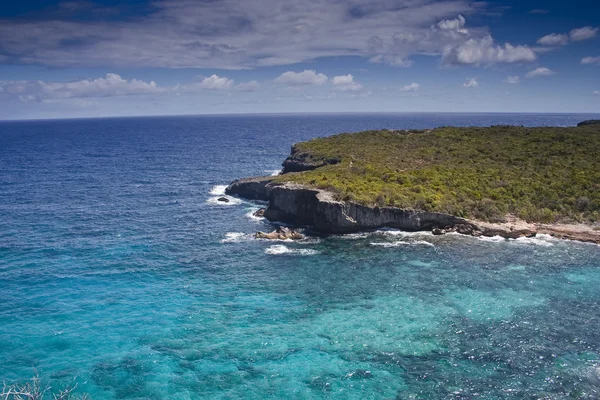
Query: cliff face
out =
(305, 206)
(256, 188)
(300, 205)
(299, 161)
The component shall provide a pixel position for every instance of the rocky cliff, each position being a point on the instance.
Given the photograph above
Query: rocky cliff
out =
(299, 161)
(300, 205)
(355, 161)
(318, 209)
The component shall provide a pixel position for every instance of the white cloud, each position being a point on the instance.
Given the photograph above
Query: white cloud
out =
(596, 93)
(457, 24)
(591, 60)
(471, 83)
(585, 33)
(251, 86)
(413, 87)
(215, 82)
(107, 86)
(307, 77)
(346, 83)
(234, 34)
(485, 51)
(512, 79)
(542, 71)
(554, 39)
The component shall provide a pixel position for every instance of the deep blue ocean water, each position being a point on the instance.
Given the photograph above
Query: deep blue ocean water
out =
(119, 271)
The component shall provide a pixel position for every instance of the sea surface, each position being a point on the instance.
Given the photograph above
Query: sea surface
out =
(122, 273)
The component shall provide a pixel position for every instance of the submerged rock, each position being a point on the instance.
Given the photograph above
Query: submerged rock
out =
(223, 199)
(281, 233)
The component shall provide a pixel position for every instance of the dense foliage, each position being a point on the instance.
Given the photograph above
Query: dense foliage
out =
(538, 174)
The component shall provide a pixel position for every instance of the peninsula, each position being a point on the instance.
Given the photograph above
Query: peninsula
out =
(501, 180)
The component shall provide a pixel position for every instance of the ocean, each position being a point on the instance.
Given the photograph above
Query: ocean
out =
(120, 272)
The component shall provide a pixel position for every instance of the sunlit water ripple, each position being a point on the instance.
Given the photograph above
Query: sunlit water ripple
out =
(119, 270)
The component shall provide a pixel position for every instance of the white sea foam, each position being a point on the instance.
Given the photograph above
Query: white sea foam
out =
(236, 237)
(218, 190)
(280, 249)
(273, 172)
(250, 214)
(493, 239)
(353, 236)
(402, 243)
(396, 232)
(215, 201)
(538, 241)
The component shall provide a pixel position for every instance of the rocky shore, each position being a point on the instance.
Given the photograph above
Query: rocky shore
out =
(303, 205)
(318, 209)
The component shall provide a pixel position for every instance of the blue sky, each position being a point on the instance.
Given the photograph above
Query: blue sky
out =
(64, 59)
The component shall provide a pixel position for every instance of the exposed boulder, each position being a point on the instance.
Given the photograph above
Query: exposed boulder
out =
(260, 213)
(281, 233)
(223, 199)
(438, 231)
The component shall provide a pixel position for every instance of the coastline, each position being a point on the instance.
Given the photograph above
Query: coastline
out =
(295, 197)
(317, 208)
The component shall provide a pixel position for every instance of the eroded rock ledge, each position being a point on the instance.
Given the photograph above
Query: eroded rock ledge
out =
(318, 209)
(299, 161)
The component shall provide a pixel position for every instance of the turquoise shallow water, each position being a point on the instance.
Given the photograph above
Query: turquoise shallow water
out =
(119, 271)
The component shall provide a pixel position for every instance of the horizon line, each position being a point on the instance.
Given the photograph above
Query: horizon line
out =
(299, 113)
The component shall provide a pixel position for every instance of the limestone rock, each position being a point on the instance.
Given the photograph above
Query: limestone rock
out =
(299, 161)
(281, 233)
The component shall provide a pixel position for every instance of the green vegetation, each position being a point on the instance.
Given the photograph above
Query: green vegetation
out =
(537, 174)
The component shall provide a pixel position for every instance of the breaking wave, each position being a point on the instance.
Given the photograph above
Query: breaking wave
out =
(280, 249)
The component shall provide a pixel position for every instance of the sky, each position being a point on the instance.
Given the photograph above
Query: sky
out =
(70, 59)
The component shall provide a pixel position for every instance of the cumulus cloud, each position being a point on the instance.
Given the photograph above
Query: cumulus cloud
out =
(413, 87)
(471, 83)
(346, 83)
(591, 60)
(236, 34)
(542, 71)
(562, 39)
(107, 86)
(251, 86)
(512, 79)
(585, 33)
(485, 51)
(457, 25)
(215, 82)
(308, 77)
(554, 39)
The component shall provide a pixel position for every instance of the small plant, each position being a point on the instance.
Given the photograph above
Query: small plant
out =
(35, 391)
